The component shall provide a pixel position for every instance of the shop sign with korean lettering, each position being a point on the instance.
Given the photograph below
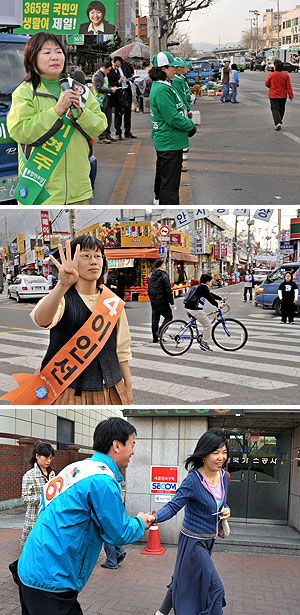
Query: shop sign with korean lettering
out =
(163, 479)
(119, 263)
(135, 234)
(45, 225)
(20, 244)
(183, 245)
(66, 18)
(217, 250)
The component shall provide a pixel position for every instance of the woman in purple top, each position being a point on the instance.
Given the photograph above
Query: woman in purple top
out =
(196, 588)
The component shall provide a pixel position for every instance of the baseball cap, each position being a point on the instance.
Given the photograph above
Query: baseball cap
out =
(165, 58)
(182, 61)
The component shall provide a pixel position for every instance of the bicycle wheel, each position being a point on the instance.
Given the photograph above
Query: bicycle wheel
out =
(233, 337)
(176, 337)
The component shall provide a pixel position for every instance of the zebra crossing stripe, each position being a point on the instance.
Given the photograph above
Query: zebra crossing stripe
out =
(216, 376)
(178, 392)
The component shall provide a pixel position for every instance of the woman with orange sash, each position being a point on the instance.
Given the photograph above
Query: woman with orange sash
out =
(77, 296)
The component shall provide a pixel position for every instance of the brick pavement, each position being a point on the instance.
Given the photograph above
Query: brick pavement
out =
(255, 584)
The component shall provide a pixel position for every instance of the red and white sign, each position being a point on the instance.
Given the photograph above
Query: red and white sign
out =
(164, 479)
(223, 250)
(45, 225)
(217, 250)
(175, 239)
(164, 231)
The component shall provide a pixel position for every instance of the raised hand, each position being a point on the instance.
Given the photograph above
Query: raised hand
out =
(68, 268)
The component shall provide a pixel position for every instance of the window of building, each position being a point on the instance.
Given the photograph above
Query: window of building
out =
(283, 25)
(143, 26)
(65, 433)
(295, 38)
(143, 37)
(288, 23)
(288, 39)
(296, 21)
(283, 40)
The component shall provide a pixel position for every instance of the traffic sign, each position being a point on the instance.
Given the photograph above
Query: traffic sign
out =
(45, 249)
(161, 250)
(164, 231)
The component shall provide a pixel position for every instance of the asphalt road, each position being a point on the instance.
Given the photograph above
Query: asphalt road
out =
(265, 372)
(236, 157)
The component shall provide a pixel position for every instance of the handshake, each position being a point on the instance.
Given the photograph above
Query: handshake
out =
(147, 518)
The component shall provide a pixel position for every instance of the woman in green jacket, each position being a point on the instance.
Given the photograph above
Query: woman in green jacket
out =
(171, 129)
(54, 164)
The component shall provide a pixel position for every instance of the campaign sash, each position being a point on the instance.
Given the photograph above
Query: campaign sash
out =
(100, 95)
(72, 358)
(69, 476)
(35, 171)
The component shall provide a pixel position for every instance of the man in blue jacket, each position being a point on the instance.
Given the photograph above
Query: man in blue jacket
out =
(80, 508)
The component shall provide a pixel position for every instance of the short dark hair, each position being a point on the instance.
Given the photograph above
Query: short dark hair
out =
(31, 50)
(41, 448)
(88, 242)
(112, 429)
(278, 65)
(106, 64)
(158, 263)
(157, 73)
(117, 59)
(206, 277)
(209, 442)
(95, 4)
(234, 67)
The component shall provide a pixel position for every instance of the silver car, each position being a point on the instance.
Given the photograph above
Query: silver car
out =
(28, 287)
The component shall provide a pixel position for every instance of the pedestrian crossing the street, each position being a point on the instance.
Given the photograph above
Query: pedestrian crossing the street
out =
(265, 371)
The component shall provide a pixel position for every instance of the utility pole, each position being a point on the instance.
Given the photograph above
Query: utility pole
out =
(8, 244)
(154, 11)
(235, 246)
(255, 20)
(163, 26)
(72, 223)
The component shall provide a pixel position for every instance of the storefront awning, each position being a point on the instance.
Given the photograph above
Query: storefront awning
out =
(131, 253)
(187, 258)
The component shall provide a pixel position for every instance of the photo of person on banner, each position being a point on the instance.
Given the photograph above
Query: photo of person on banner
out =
(54, 165)
(87, 360)
(96, 24)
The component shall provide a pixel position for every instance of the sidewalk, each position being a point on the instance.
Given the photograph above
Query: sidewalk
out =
(254, 584)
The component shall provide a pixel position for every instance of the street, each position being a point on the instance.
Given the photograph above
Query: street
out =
(248, 377)
(236, 157)
(264, 584)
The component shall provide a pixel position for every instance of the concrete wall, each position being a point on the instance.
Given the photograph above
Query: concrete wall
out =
(41, 423)
(160, 441)
(294, 509)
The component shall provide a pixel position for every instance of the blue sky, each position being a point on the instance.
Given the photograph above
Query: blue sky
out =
(227, 18)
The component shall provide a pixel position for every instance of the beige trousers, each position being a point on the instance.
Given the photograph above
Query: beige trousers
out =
(204, 321)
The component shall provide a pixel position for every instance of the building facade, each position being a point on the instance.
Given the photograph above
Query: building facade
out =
(142, 29)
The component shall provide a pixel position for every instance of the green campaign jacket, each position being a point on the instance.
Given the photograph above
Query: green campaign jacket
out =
(180, 85)
(32, 120)
(170, 127)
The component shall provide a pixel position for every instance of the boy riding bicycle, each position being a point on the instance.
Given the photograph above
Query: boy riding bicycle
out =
(194, 302)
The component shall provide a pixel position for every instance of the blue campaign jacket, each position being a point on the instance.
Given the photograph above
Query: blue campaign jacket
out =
(200, 505)
(64, 544)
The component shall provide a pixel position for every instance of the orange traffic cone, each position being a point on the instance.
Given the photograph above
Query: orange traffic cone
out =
(153, 547)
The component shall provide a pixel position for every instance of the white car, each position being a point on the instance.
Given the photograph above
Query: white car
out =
(260, 275)
(28, 287)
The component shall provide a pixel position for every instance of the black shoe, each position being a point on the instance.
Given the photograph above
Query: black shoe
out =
(119, 137)
(121, 558)
(109, 567)
(155, 341)
(13, 567)
(129, 135)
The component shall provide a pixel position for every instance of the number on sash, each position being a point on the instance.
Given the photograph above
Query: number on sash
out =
(53, 486)
(111, 303)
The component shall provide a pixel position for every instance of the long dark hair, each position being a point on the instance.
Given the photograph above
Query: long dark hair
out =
(31, 50)
(88, 242)
(41, 448)
(209, 442)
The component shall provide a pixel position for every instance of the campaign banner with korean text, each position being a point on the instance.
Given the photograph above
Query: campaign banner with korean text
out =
(81, 17)
(163, 479)
(217, 250)
(21, 243)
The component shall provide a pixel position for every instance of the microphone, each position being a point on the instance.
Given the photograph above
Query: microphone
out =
(79, 76)
(64, 84)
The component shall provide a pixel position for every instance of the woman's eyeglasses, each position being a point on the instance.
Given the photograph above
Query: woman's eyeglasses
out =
(87, 257)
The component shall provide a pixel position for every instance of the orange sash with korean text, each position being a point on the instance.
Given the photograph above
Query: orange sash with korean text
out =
(73, 358)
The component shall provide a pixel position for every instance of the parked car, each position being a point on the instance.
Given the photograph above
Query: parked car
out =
(267, 293)
(260, 274)
(287, 67)
(28, 287)
(202, 67)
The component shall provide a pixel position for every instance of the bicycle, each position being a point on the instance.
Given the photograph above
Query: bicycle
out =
(228, 334)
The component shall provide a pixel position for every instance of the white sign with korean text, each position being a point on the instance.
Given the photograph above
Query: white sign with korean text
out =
(201, 213)
(263, 214)
(182, 218)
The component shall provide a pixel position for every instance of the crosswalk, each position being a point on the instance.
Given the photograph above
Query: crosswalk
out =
(265, 372)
